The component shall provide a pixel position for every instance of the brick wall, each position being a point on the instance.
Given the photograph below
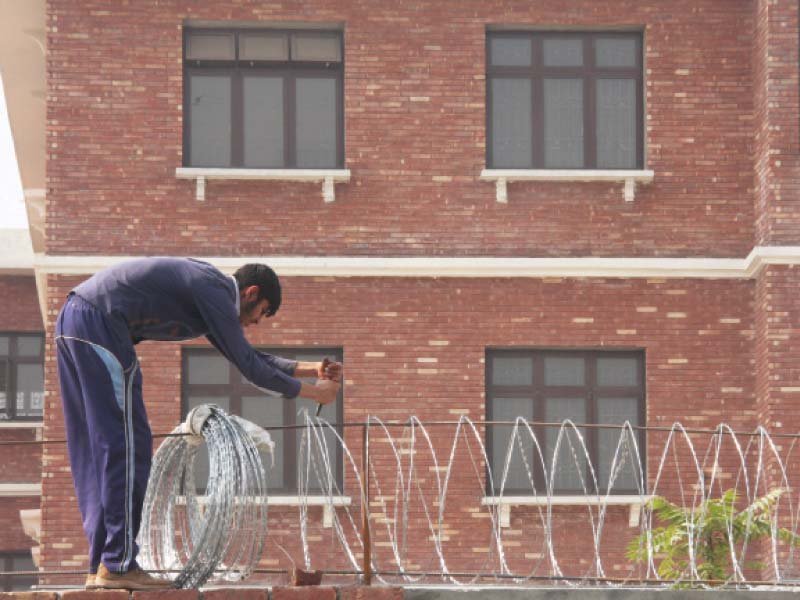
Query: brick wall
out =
(778, 347)
(777, 138)
(20, 304)
(721, 135)
(14, 539)
(20, 464)
(415, 138)
(417, 346)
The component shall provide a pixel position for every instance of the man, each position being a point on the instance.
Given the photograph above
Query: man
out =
(108, 435)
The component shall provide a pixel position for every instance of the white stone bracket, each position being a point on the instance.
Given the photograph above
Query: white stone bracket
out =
(503, 504)
(328, 177)
(629, 178)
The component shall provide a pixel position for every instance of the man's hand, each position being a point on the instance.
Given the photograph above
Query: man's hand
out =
(327, 390)
(329, 369)
(323, 392)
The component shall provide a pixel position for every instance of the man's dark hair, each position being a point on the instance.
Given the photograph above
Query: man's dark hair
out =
(267, 281)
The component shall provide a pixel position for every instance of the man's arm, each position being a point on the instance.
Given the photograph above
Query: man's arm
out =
(325, 369)
(263, 370)
(225, 333)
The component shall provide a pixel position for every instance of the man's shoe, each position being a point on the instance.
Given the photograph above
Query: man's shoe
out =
(135, 579)
(90, 582)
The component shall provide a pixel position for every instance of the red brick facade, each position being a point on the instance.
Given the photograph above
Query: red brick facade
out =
(20, 306)
(414, 135)
(20, 464)
(721, 134)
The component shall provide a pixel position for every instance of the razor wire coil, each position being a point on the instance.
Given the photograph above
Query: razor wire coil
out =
(219, 535)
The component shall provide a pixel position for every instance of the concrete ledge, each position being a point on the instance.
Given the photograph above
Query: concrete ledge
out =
(515, 593)
(303, 593)
(239, 594)
(167, 595)
(360, 592)
(353, 592)
(95, 595)
(379, 592)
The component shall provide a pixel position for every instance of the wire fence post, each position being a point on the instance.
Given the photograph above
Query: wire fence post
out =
(367, 564)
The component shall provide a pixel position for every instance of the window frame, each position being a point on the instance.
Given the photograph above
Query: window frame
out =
(288, 70)
(7, 559)
(589, 73)
(235, 389)
(537, 393)
(9, 362)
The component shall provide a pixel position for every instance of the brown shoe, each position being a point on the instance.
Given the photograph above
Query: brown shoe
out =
(135, 579)
(90, 582)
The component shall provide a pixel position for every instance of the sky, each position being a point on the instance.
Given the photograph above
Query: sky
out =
(12, 203)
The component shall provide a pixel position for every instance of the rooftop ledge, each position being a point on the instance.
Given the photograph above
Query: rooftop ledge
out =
(327, 176)
(504, 504)
(630, 177)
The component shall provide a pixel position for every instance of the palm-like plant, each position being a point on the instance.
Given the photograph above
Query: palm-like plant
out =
(713, 529)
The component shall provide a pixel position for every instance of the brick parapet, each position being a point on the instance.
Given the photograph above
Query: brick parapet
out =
(277, 593)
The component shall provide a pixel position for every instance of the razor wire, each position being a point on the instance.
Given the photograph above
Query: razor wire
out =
(417, 491)
(690, 474)
(219, 534)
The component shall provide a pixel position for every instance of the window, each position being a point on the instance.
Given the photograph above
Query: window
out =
(263, 99)
(21, 376)
(17, 561)
(559, 100)
(208, 378)
(549, 386)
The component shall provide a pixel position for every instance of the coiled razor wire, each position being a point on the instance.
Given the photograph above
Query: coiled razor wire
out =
(219, 536)
(416, 486)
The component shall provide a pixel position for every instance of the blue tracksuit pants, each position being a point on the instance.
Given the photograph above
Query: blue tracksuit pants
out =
(108, 436)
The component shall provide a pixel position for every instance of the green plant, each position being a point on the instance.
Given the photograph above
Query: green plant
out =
(717, 526)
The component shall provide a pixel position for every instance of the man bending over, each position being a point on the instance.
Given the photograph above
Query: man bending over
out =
(108, 435)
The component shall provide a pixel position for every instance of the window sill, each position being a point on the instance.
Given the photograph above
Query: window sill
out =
(504, 504)
(21, 424)
(630, 177)
(8, 490)
(328, 503)
(327, 176)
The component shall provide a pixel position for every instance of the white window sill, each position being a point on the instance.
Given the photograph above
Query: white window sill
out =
(630, 178)
(327, 176)
(21, 424)
(10, 490)
(327, 503)
(504, 504)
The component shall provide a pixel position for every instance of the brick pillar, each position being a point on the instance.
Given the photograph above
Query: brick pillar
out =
(777, 213)
(777, 131)
(777, 197)
(777, 349)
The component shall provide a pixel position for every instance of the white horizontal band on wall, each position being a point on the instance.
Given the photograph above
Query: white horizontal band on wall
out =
(475, 266)
(8, 490)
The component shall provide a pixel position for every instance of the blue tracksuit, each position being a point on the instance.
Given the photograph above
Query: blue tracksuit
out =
(108, 436)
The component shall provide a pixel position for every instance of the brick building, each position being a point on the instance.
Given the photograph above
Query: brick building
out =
(585, 211)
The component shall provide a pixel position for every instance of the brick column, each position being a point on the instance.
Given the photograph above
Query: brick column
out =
(777, 131)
